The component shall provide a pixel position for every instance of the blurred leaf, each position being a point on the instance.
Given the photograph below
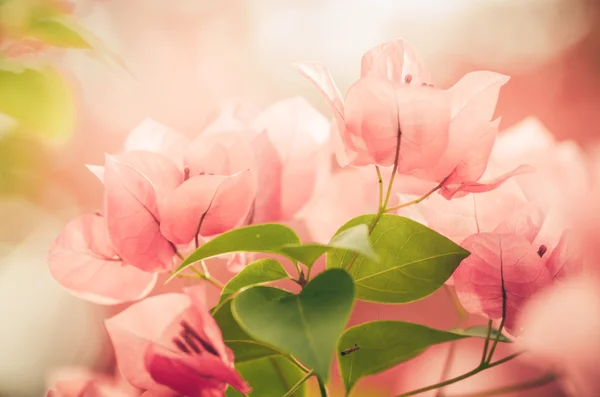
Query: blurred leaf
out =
(414, 261)
(268, 237)
(306, 325)
(355, 239)
(261, 271)
(243, 346)
(481, 332)
(56, 32)
(383, 345)
(269, 377)
(40, 101)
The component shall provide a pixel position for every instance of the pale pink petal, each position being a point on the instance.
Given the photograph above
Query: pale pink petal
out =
(525, 222)
(155, 137)
(290, 153)
(83, 261)
(475, 95)
(133, 330)
(462, 189)
(97, 170)
(133, 220)
(478, 279)
(394, 60)
(561, 326)
(238, 261)
(566, 259)
(207, 205)
(223, 152)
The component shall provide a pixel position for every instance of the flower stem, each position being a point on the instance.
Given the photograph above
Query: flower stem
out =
(487, 342)
(461, 377)
(380, 182)
(322, 388)
(298, 384)
(541, 381)
(418, 200)
(205, 275)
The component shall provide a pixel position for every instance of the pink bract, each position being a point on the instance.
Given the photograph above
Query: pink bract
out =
(83, 260)
(169, 344)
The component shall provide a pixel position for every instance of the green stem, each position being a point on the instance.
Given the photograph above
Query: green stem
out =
(475, 371)
(205, 275)
(298, 384)
(322, 388)
(298, 364)
(487, 343)
(380, 182)
(541, 381)
(416, 201)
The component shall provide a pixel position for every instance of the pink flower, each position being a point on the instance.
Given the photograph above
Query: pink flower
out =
(169, 344)
(512, 263)
(83, 260)
(445, 135)
(80, 382)
(561, 327)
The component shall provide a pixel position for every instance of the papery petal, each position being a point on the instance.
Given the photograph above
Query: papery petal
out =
(97, 170)
(192, 375)
(478, 279)
(525, 222)
(290, 154)
(449, 191)
(155, 137)
(207, 205)
(134, 329)
(475, 96)
(393, 61)
(566, 259)
(132, 191)
(238, 261)
(83, 261)
(221, 152)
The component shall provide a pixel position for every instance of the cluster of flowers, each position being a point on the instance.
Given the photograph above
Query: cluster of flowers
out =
(165, 195)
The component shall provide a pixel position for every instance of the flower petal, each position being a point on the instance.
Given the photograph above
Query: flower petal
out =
(393, 61)
(155, 137)
(135, 328)
(525, 222)
(83, 261)
(462, 189)
(496, 259)
(133, 185)
(207, 205)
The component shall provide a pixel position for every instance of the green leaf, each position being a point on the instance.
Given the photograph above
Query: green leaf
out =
(268, 237)
(355, 239)
(269, 377)
(481, 332)
(244, 347)
(57, 32)
(261, 271)
(383, 345)
(40, 101)
(414, 261)
(306, 325)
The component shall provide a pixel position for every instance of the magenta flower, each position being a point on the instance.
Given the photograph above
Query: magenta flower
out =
(170, 345)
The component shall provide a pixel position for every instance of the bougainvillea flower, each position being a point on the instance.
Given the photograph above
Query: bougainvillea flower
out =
(80, 382)
(169, 344)
(560, 326)
(207, 205)
(136, 184)
(513, 257)
(152, 136)
(292, 153)
(83, 260)
(445, 135)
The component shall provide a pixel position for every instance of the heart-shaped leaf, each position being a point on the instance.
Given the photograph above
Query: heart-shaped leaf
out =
(261, 271)
(269, 377)
(354, 239)
(244, 347)
(306, 325)
(383, 345)
(414, 261)
(268, 237)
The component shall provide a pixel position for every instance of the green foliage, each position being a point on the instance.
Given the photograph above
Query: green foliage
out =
(269, 377)
(306, 325)
(57, 32)
(414, 261)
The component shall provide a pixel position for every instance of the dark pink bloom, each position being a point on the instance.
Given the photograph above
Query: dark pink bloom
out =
(169, 344)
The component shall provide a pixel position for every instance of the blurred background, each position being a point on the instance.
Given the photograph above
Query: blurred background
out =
(174, 61)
